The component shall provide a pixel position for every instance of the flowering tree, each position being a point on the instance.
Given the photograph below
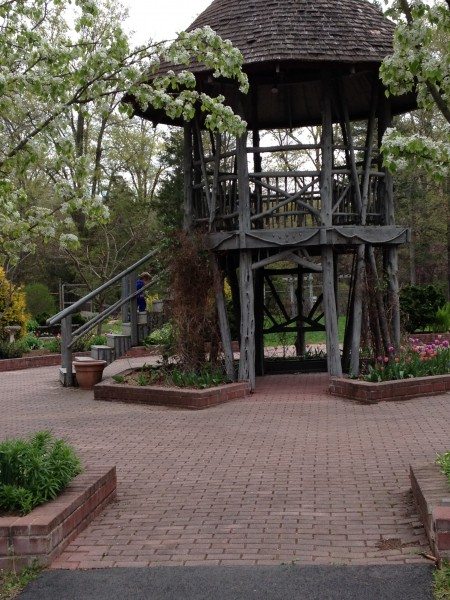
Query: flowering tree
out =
(420, 62)
(52, 73)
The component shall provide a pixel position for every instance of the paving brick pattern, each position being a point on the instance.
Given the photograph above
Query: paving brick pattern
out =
(290, 474)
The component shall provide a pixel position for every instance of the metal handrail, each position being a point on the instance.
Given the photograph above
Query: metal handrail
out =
(76, 305)
(83, 329)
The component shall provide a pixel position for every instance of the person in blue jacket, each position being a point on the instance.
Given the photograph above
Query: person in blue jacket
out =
(144, 278)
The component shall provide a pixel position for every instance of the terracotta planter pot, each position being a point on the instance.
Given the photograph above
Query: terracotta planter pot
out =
(89, 372)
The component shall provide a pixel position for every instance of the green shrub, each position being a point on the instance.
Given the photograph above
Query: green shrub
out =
(443, 460)
(442, 319)
(94, 340)
(8, 350)
(78, 319)
(40, 302)
(34, 471)
(12, 306)
(53, 345)
(32, 325)
(30, 342)
(419, 305)
(161, 337)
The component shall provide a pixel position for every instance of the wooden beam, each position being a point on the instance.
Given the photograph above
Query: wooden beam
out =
(246, 286)
(188, 212)
(329, 298)
(223, 321)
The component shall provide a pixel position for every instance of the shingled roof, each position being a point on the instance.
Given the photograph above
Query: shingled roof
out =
(286, 45)
(301, 30)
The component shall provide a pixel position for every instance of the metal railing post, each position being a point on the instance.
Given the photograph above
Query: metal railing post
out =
(126, 291)
(66, 351)
(133, 311)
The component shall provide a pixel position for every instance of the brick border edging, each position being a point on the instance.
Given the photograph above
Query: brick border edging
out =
(32, 362)
(402, 389)
(44, 533)
(109, 390)
(430, 488)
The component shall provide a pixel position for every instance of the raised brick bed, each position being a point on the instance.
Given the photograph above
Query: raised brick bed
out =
(168, 396)
(44, 533)
(403, 389)
(428, 338)
(431, 491)
(31, 362)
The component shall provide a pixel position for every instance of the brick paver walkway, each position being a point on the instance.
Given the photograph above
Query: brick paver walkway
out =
(289, 475)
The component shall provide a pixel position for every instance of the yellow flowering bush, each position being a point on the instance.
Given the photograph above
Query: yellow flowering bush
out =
(12, 305)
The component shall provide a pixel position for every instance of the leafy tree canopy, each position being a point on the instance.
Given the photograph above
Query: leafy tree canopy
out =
(53, 72)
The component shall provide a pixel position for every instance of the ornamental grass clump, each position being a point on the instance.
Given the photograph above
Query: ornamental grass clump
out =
(34, 471)
(415, 360)
(443, 460)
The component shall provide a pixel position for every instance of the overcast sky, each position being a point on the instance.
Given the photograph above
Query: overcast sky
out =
(161, 19)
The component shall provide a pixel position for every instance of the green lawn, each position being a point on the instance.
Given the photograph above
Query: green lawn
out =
(11, 584)
(442, 582)
(314, 337)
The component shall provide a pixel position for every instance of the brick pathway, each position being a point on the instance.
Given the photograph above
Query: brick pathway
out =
(288, 475)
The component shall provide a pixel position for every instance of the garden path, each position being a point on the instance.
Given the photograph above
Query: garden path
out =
(289, 474)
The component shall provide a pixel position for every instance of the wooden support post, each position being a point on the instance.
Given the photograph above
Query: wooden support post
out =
(391, 252)
(300, 345)
(329, 298)
(360, 257)
(188, 212)
(357, 311)
(134, 329)
(66, 352)
(247, 358)
(259, 321)
(223, 321)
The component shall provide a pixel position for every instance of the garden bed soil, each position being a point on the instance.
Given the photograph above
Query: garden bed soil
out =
(43, 534)
(31, 361)
(431, 491)
(401, 389)
(164, 395)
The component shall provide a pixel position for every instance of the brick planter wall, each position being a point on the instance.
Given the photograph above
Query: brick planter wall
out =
(428, 338)
(44, 533)
(168, 396)
(431, 491)
(403, 389)
(31, 362)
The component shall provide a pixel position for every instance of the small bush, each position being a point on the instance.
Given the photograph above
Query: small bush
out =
(40, 301)
(8, 350)
(443, 460)
(12, 305)
(419, 305)
(94, 340)
(442, 319)
(34, 471)
(30, 342)
(53, 346)
(161, 337)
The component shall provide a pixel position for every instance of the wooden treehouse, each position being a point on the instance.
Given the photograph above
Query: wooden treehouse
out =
(309, 64)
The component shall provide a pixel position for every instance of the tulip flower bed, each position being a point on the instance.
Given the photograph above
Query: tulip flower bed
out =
(415, 360)
(416, 370)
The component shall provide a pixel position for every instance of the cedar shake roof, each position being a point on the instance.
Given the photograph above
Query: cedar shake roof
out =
(287, 45)
(301, 30)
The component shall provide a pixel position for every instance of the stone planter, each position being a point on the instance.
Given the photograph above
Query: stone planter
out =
(192, 399)
(401, 389)
(431, 492)
(44, 533)
(89, 372)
